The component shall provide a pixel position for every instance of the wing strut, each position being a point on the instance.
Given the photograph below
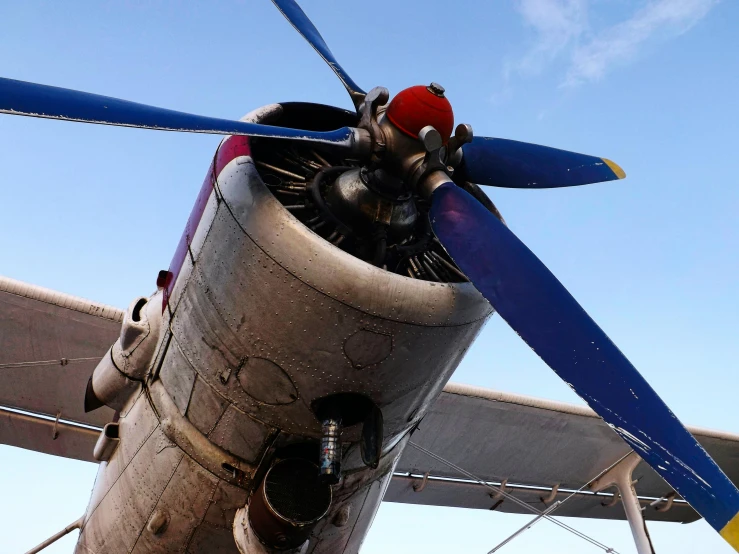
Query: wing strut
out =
(51, 540)
(619, 476)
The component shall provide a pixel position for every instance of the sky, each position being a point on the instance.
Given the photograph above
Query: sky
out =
(651, 84)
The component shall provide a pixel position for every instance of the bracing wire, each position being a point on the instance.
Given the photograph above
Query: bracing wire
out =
(513, 499)
(550, 510)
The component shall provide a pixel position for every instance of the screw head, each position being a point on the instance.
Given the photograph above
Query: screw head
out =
(436, 89)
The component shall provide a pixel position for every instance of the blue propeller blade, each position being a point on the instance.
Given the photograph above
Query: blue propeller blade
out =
(536, 305)
(513, 164)
(30, 99)
(297, 18)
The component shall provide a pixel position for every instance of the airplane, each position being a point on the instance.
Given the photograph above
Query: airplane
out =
(369, 444)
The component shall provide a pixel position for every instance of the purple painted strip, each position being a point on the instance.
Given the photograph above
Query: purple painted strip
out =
(230, 149)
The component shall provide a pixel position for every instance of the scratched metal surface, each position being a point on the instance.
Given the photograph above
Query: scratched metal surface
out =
(268, 317)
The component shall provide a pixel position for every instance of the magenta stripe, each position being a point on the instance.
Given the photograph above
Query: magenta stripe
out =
(229, 149)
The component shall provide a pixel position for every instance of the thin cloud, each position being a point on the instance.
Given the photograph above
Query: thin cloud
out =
(661, 19)
(563, 32)
(557, 24)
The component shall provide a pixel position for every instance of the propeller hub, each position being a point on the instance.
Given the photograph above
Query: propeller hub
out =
(416, 107)
(362, 199)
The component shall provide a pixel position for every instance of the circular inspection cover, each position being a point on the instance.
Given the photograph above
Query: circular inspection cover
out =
(365, 348)
(266, 382)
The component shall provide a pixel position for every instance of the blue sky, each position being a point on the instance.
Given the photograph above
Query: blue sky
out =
(651, 84)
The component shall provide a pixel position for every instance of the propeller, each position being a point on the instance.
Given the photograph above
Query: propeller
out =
(522, 290)
(34, 100)
(544, 314)
(513, 164)
(297, 18)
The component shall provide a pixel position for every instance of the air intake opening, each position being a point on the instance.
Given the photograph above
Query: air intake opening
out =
(136, 312)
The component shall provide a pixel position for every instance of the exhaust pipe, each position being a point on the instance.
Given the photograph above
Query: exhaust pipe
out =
(288, 504)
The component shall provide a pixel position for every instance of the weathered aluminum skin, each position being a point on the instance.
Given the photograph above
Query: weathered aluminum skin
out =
(264, 318)
(49, 345)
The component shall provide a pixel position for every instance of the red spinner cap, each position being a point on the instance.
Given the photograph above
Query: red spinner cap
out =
(416, 107)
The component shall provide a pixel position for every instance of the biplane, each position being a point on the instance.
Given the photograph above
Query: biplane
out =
(290, 372)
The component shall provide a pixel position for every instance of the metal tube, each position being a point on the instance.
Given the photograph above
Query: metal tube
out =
(283, 171)
(271, 509)
(430, 271)
(330, 457)
(632, 507)
(450, 267)
(68, 529)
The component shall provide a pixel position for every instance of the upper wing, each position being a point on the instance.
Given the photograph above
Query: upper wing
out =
(49, 344)
(533, 445)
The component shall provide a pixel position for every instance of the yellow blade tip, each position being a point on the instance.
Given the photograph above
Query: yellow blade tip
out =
(730, 532)
(620, 173)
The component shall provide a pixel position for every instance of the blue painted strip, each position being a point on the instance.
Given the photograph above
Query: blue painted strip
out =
(297, 18)
(509, 163)
(536, 305)
(30, 99)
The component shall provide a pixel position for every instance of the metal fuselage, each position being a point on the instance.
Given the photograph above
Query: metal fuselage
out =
(261, 318)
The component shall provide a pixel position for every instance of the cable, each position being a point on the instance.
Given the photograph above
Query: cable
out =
(556, 505)
(513, 498)
(526, 527)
